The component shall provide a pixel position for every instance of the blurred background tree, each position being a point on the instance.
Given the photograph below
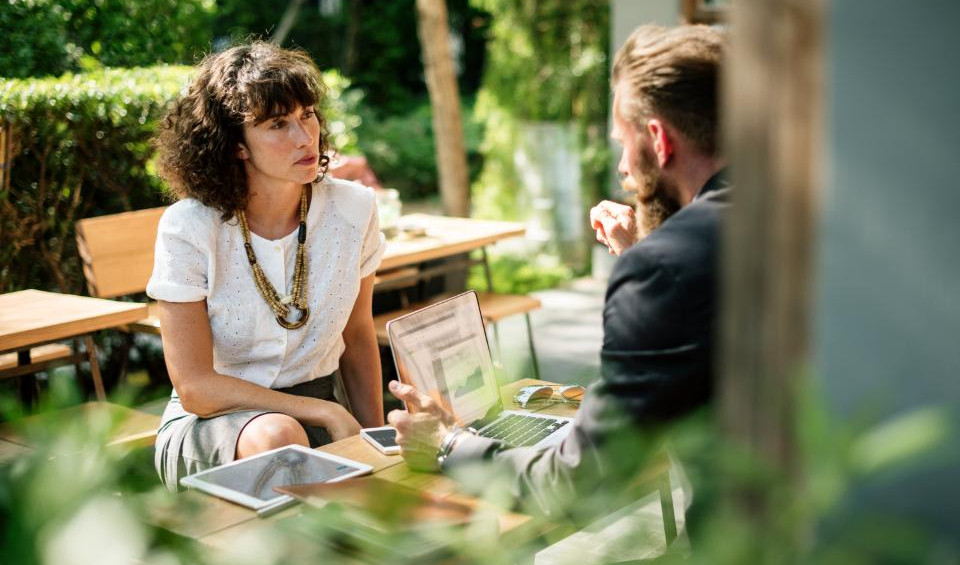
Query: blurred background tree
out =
(371, 41)
(50, 37)
(33, 40)
(544, 100)
(547, 64)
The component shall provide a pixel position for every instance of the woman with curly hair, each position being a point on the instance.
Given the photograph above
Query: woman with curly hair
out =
(264, 268)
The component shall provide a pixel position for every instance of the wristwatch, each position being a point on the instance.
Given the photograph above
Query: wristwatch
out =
(449, 441)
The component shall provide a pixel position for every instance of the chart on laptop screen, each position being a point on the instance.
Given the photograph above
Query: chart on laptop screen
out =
(443, 352)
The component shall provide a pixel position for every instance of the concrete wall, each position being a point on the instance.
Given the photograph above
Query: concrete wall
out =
(888, 308)
(625, 15)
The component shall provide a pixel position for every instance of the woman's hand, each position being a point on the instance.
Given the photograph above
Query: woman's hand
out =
(340, 424)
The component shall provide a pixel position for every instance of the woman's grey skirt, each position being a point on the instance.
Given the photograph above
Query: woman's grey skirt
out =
(187, 444)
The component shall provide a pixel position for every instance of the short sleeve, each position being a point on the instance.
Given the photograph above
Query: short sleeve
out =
(181, 257)
(374, 244)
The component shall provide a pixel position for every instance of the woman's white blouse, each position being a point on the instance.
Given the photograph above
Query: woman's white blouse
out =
(199, 256)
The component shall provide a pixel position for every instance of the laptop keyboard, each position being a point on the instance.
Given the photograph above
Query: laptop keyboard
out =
(518, 431)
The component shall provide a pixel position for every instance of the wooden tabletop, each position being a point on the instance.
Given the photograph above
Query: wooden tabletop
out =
(124, 426)
(33, 317)
(218, 523)
(443, 236)
(10, 451)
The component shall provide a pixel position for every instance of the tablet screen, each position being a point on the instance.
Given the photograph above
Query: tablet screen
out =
(250, 481)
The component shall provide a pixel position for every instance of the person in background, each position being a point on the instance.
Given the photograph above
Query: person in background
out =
(263, 270)
(660, 308)
(354, 168)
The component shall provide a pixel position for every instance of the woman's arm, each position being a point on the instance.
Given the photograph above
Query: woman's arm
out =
(360, 362)
(188, 350)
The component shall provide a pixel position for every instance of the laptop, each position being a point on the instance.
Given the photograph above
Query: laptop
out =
(442, 350)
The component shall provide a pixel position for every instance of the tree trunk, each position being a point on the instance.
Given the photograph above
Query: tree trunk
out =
(286, 22)
(6, 156)
(445, 102)
(773, 106)
(354, 13)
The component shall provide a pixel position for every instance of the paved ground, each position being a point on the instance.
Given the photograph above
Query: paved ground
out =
(567, 332)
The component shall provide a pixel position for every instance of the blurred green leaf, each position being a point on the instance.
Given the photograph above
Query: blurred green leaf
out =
(902, 440)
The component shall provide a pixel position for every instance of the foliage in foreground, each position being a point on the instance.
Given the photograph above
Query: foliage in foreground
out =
(74, 501)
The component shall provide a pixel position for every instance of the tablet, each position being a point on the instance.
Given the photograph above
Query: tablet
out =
(249, 482)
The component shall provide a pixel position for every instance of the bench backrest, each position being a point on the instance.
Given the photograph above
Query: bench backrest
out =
(117, 251)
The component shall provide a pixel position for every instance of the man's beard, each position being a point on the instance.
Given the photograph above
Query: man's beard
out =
(656, 196)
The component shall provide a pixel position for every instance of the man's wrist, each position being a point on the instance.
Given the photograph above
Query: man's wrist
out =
(449, 442)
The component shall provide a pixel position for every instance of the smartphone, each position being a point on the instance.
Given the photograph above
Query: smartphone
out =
(383, 438)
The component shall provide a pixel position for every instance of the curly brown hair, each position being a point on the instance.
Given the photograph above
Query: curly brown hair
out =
(198, 139)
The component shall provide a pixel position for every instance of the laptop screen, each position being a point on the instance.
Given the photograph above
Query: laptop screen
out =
(442, 350)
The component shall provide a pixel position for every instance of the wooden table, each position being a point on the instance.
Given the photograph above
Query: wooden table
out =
(30, 318)
(10, 451)
(438, 237)
(220, 524)
(223, 526)
(442, 237)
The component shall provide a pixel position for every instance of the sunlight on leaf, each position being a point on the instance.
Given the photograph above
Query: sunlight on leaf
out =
(901, 440)
(103, 531)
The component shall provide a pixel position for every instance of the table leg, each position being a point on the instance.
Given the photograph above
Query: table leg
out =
(486, 269)
(27, 383)
(95, 368)
(533, 351)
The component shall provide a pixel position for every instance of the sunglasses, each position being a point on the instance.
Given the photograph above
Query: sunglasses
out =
(571, 394)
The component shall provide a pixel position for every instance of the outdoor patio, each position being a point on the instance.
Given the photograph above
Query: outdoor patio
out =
(779, 380)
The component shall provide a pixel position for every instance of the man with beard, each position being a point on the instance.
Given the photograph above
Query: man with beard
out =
(660, 304)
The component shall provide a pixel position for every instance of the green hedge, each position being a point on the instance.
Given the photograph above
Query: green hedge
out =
(81, 147)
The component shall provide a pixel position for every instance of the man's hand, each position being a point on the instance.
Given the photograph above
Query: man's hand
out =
(616, 225)
(420, 431)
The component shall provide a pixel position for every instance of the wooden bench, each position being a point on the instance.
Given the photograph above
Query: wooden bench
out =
(41, 358)
(117, 255)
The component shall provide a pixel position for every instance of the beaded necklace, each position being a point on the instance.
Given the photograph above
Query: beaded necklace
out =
(298, 294)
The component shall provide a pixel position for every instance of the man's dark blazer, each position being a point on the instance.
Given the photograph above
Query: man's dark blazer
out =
(656, 362)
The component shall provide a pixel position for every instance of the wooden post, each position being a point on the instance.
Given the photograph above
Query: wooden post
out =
(774, 114)
(445, 103)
